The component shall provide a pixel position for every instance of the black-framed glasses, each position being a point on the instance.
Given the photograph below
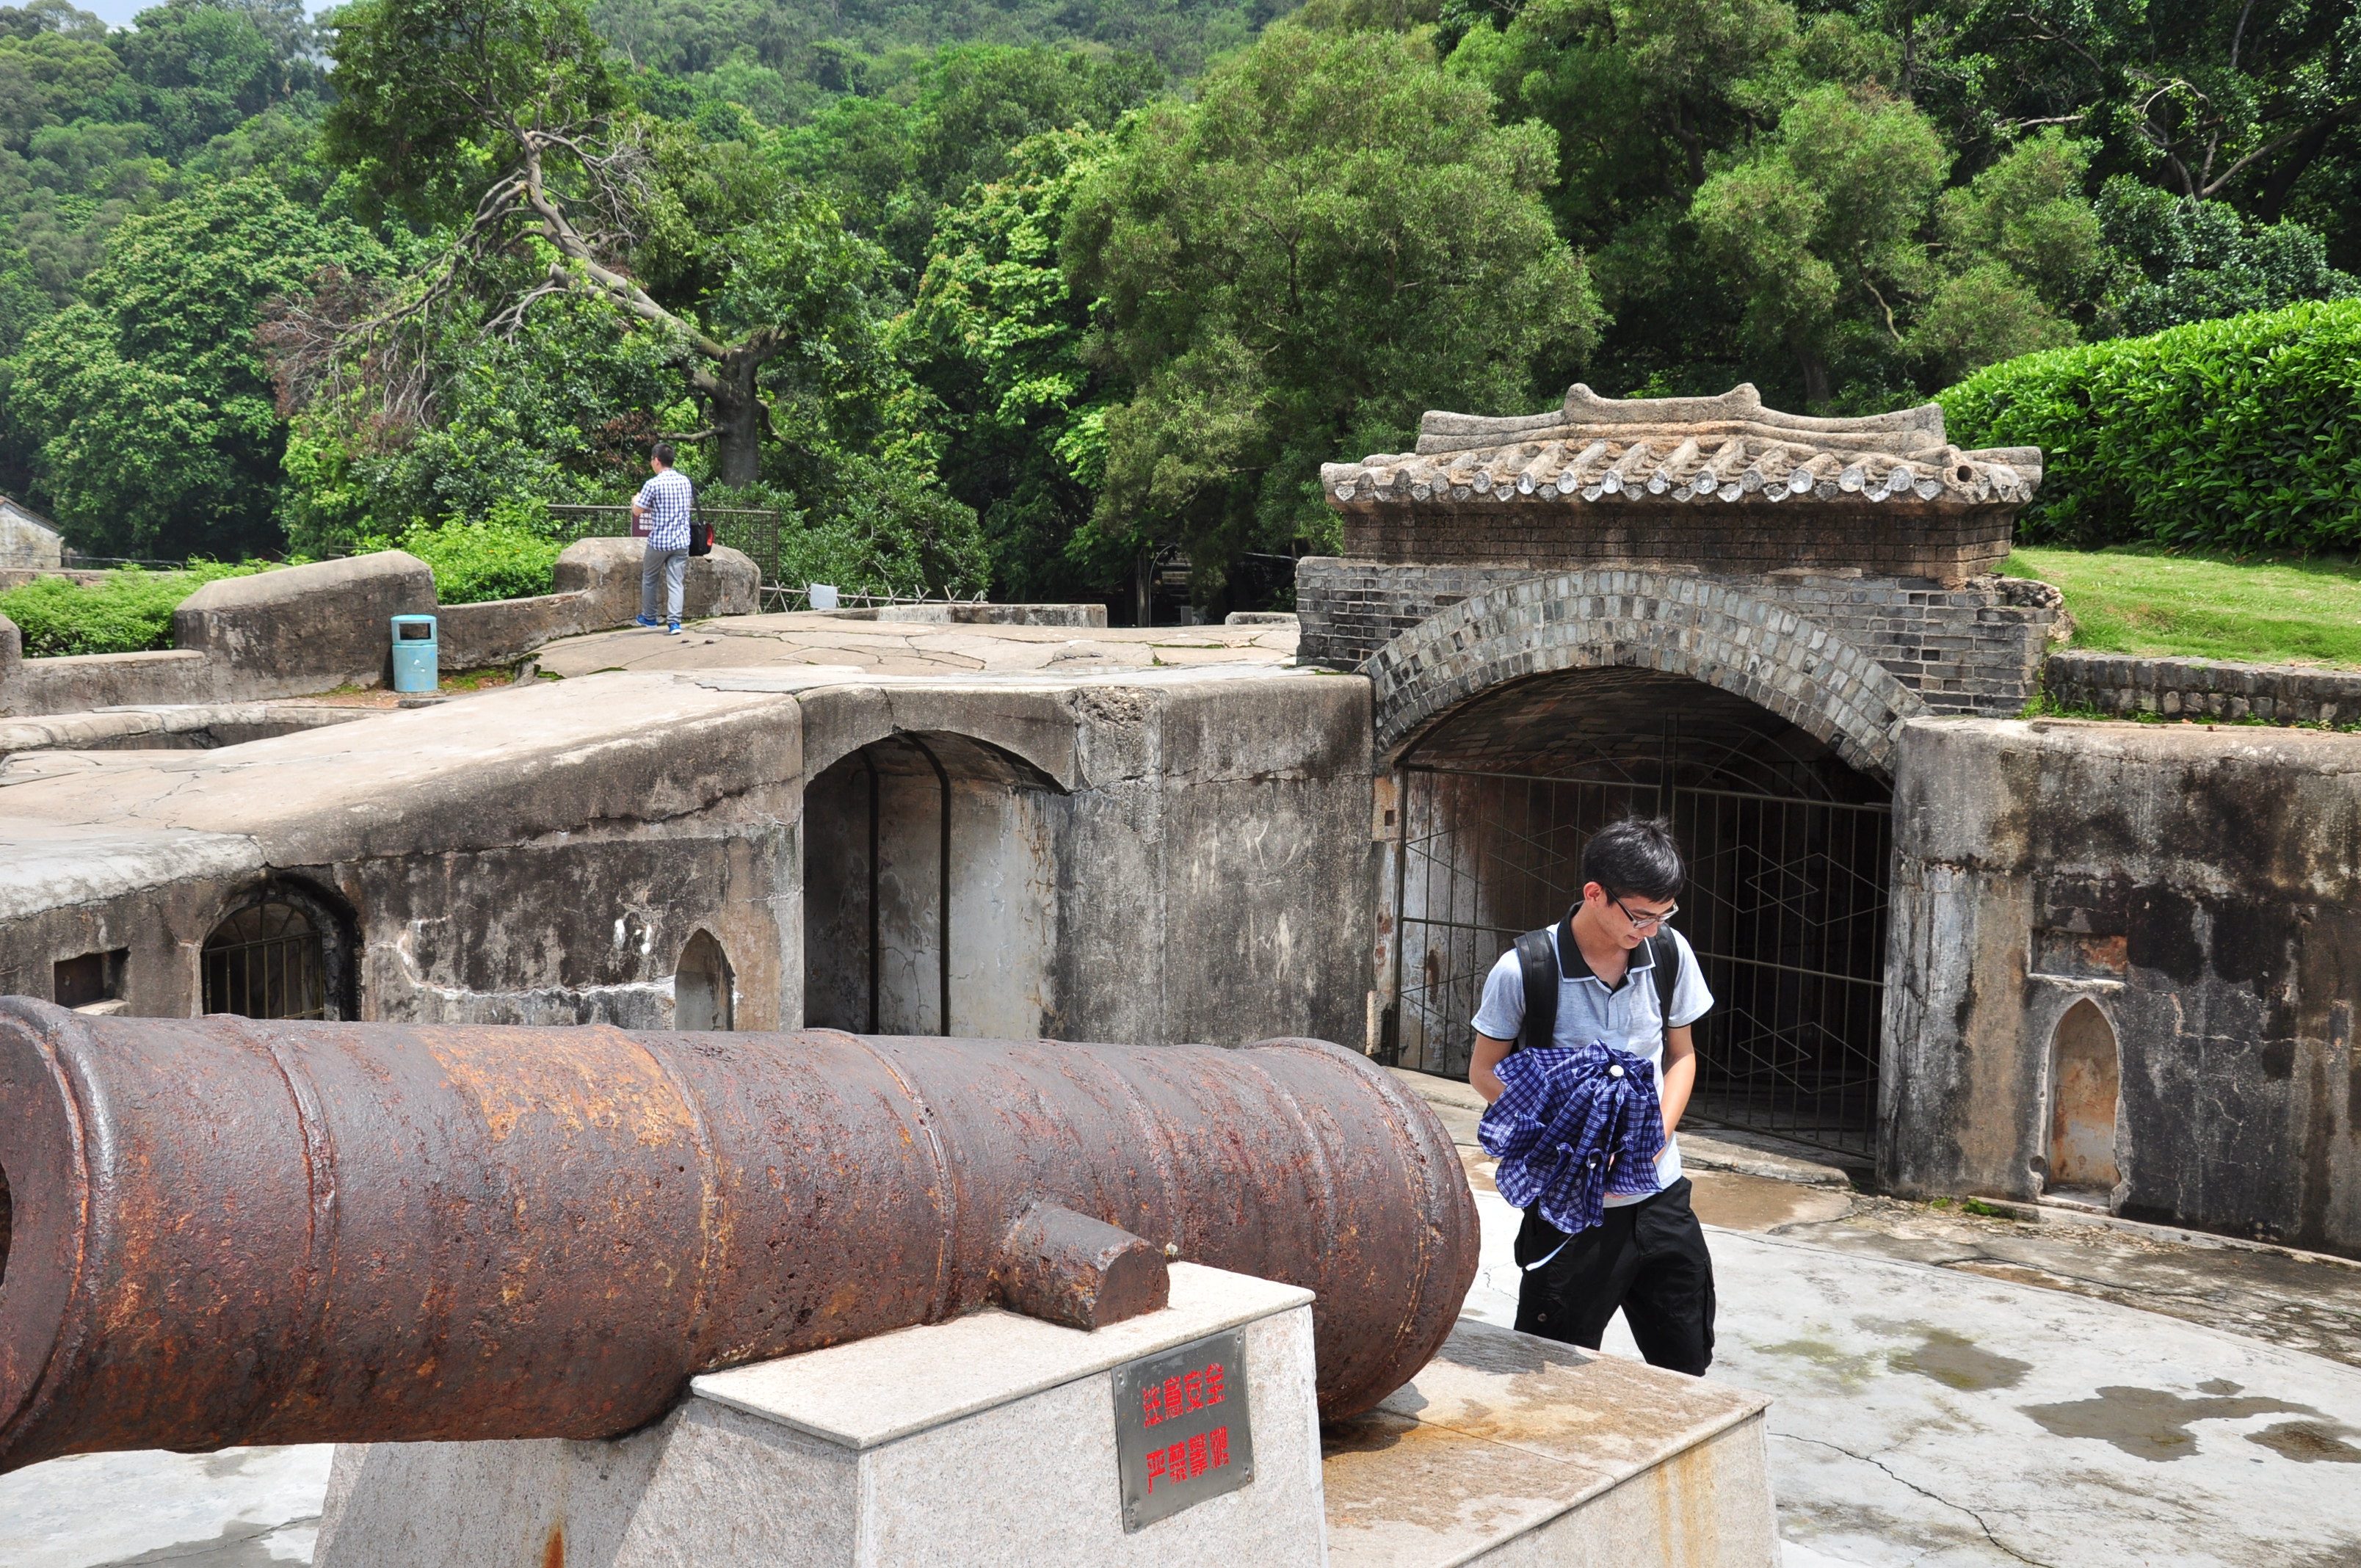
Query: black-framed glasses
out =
(1645, 922)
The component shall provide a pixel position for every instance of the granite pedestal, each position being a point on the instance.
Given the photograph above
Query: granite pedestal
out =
(1509, 1450)
(987, 1441)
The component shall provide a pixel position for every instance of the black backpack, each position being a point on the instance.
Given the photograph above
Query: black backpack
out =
(1538, 960)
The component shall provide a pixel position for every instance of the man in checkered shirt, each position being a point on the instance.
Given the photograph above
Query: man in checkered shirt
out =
(663, 506)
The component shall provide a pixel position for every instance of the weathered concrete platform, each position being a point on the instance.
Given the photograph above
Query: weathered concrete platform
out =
(549, 853)
(916, 648)
(1511, 1450)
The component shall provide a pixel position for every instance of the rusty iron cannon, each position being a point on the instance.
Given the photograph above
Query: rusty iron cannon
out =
(217, 1231)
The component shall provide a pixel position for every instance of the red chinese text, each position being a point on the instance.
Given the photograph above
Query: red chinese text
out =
(1187, 1461)
(1176, 1397)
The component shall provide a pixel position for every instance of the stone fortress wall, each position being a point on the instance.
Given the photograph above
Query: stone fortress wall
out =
(304, 629)
(1161, 856)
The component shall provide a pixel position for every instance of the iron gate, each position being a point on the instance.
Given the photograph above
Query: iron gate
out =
(1785, 908)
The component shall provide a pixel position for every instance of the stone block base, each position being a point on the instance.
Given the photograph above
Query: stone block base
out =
(1509, 1450)
(986, 1440)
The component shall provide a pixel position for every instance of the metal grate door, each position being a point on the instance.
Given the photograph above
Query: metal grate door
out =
(267, 962)
(1785, 910)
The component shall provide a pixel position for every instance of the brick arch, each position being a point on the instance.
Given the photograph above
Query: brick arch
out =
(1650, 620)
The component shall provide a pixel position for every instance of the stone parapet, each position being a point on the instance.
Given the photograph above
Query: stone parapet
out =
(1974, 649)
(500, 632)
(2126, 684)
(303, 628)
(197, 727)
(726, 581)
(299, 631)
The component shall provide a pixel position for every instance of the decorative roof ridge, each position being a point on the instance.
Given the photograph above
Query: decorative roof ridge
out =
(1739, 412)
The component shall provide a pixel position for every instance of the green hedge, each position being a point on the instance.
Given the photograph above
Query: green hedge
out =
(129, 612)
(2242, 434)
(507, 556)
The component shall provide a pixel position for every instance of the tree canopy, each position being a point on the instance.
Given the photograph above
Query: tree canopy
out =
(1009, 294)
(1332, 238)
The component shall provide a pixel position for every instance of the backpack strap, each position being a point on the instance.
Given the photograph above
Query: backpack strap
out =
(1537, 960)
(1668, 956)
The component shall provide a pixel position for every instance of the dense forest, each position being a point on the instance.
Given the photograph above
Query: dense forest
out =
(1006, 292)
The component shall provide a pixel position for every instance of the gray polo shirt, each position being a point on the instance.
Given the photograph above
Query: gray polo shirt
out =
(1625, 1017)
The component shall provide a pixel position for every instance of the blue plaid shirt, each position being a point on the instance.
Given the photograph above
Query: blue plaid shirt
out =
(1572, 1125)
(668, 497)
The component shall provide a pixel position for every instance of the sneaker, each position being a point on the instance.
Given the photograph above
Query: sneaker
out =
(644, 620)
(672, 629)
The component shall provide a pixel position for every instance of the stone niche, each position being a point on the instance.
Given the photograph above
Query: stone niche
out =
(1719, 482)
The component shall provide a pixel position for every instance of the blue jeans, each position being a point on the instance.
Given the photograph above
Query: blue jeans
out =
(672, 566)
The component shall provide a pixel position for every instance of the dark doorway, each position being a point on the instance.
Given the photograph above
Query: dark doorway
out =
(929, 877)
(1788, 851)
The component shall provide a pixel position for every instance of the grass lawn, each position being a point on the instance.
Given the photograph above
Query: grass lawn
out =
(2136, 599)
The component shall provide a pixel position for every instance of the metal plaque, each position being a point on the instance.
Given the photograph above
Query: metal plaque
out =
(1182, 1430)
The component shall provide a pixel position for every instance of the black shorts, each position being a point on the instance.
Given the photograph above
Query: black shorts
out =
(1648, 1258)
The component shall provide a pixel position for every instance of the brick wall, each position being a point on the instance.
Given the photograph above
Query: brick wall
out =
(1974, 648)
(2199, 688)
(1901, 539)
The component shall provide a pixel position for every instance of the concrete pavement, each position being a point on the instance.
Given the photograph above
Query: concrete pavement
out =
(1925, 1416)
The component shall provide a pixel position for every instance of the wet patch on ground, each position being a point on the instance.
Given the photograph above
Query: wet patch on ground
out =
(2309, 1442)
(2307, 1304)
(1849, 1370)
(240, 1545)
(1957, 1362)
(2150, 1423)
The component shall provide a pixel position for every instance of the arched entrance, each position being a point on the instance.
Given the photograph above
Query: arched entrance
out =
(1524, 721)
(929, 891)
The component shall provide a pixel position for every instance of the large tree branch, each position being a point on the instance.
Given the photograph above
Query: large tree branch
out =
(560, 233)
(2320, 128)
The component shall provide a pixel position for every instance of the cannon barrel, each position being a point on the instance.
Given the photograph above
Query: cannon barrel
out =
(224, 1231)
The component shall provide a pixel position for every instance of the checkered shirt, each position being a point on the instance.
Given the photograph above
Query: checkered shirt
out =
(1572, 1125)
(668, 497)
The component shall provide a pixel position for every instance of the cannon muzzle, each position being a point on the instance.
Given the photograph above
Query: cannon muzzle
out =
(224, 1231)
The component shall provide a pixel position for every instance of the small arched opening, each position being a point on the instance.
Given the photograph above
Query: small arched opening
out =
(284, 950)
(930, 891)
(2085, 1091)
(704, 993)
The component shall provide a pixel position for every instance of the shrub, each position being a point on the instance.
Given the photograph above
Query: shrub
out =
(2242, 434)
(882, 530)
(507, 556)
(129, 611)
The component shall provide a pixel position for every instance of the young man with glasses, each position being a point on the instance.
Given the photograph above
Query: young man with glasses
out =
(1627, 978)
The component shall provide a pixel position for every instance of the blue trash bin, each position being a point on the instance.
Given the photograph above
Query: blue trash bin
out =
(417, 655)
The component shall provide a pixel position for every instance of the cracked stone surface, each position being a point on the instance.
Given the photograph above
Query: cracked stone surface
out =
(914, 648)
(1931, 1407)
